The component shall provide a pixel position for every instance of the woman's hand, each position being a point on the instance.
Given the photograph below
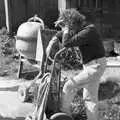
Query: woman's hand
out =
(50, 45)
(48, 49)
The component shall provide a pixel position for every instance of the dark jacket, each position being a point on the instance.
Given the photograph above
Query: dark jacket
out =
(89, 42)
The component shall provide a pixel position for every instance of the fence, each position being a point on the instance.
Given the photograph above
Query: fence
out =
(2, 13)
(21, 10)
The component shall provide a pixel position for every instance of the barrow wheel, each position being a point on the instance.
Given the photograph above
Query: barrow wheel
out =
(23, 93)
(61, 116)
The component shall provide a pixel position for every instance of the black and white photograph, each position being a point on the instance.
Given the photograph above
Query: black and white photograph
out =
(59, 59)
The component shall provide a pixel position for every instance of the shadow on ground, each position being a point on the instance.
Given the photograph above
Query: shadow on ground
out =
(12, 89)
(30, 75)
(18, 118)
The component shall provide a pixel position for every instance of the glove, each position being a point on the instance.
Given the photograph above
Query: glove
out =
(48, 49)
(50, 45)
(66, 37)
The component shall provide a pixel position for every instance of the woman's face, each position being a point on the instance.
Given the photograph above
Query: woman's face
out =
(71, 28)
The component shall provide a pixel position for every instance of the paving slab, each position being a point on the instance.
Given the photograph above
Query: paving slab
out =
(11, 107)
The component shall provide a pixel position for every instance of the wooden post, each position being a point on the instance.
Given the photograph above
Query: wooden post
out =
(8, 15)
(96, 6)
(20, 68)
(26, 9)
(79, 3)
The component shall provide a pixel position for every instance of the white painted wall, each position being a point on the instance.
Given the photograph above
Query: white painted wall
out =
(61, 5)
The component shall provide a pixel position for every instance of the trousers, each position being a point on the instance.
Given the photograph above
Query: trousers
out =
(88, 79)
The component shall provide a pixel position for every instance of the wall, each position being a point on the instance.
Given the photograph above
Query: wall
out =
(2, 13)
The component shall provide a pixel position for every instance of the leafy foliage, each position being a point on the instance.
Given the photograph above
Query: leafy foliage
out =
(7, 43)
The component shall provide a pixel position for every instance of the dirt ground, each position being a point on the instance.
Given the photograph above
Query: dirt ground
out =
(12, 109)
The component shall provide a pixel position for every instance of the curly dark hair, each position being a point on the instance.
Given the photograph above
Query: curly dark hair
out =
(71, 17)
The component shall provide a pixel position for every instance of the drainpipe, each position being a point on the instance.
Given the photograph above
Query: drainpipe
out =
(8, 16)
(61, 5)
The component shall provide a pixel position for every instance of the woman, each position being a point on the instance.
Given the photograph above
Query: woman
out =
(77, 32)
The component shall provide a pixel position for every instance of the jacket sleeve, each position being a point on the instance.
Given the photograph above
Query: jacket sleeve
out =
(55, 40)
(79, 39)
